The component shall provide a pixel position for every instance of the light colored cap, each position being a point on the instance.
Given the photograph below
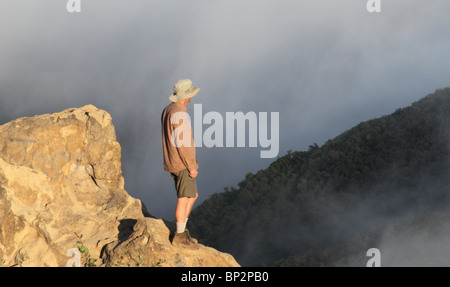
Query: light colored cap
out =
(183, 89)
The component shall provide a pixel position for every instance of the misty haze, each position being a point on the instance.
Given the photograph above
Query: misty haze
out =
(329, 69)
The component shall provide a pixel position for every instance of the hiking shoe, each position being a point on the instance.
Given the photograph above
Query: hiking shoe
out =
(193, 240)
(183, 240)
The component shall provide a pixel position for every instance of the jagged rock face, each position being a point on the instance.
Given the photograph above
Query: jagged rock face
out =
(60, 174)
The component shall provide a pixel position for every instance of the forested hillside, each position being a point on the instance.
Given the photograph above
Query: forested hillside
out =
(327, 205)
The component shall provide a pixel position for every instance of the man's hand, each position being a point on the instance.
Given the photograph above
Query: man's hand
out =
(193, 173)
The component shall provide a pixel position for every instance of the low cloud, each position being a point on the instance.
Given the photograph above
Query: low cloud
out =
(323, 65)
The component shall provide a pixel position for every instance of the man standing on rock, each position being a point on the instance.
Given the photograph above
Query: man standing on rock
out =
(179, 156)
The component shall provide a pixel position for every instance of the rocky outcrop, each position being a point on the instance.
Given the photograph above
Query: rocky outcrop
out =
(149, 245)
(61, 177)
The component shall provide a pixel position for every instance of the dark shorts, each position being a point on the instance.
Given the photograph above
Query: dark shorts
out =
(185, 185)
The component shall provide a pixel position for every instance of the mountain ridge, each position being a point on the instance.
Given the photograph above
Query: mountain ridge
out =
(308, 201)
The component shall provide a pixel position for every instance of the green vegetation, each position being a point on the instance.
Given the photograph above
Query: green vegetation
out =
(136, 262)
(130, 261)
(86, 258)
(318, 207)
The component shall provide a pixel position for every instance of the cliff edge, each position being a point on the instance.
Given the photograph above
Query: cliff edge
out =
(62, 189)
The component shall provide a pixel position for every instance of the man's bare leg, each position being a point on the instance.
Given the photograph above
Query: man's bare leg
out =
(180, 213)
(184, 208)
(190, 204)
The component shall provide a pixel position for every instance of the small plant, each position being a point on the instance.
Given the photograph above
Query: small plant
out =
(136, 262)
(118, 263)
(86, 256)
(88, 261)
(159, 262)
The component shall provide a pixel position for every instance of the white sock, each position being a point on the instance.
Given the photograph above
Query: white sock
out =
(181, 227)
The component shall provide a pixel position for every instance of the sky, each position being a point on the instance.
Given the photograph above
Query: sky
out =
(322, 65)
